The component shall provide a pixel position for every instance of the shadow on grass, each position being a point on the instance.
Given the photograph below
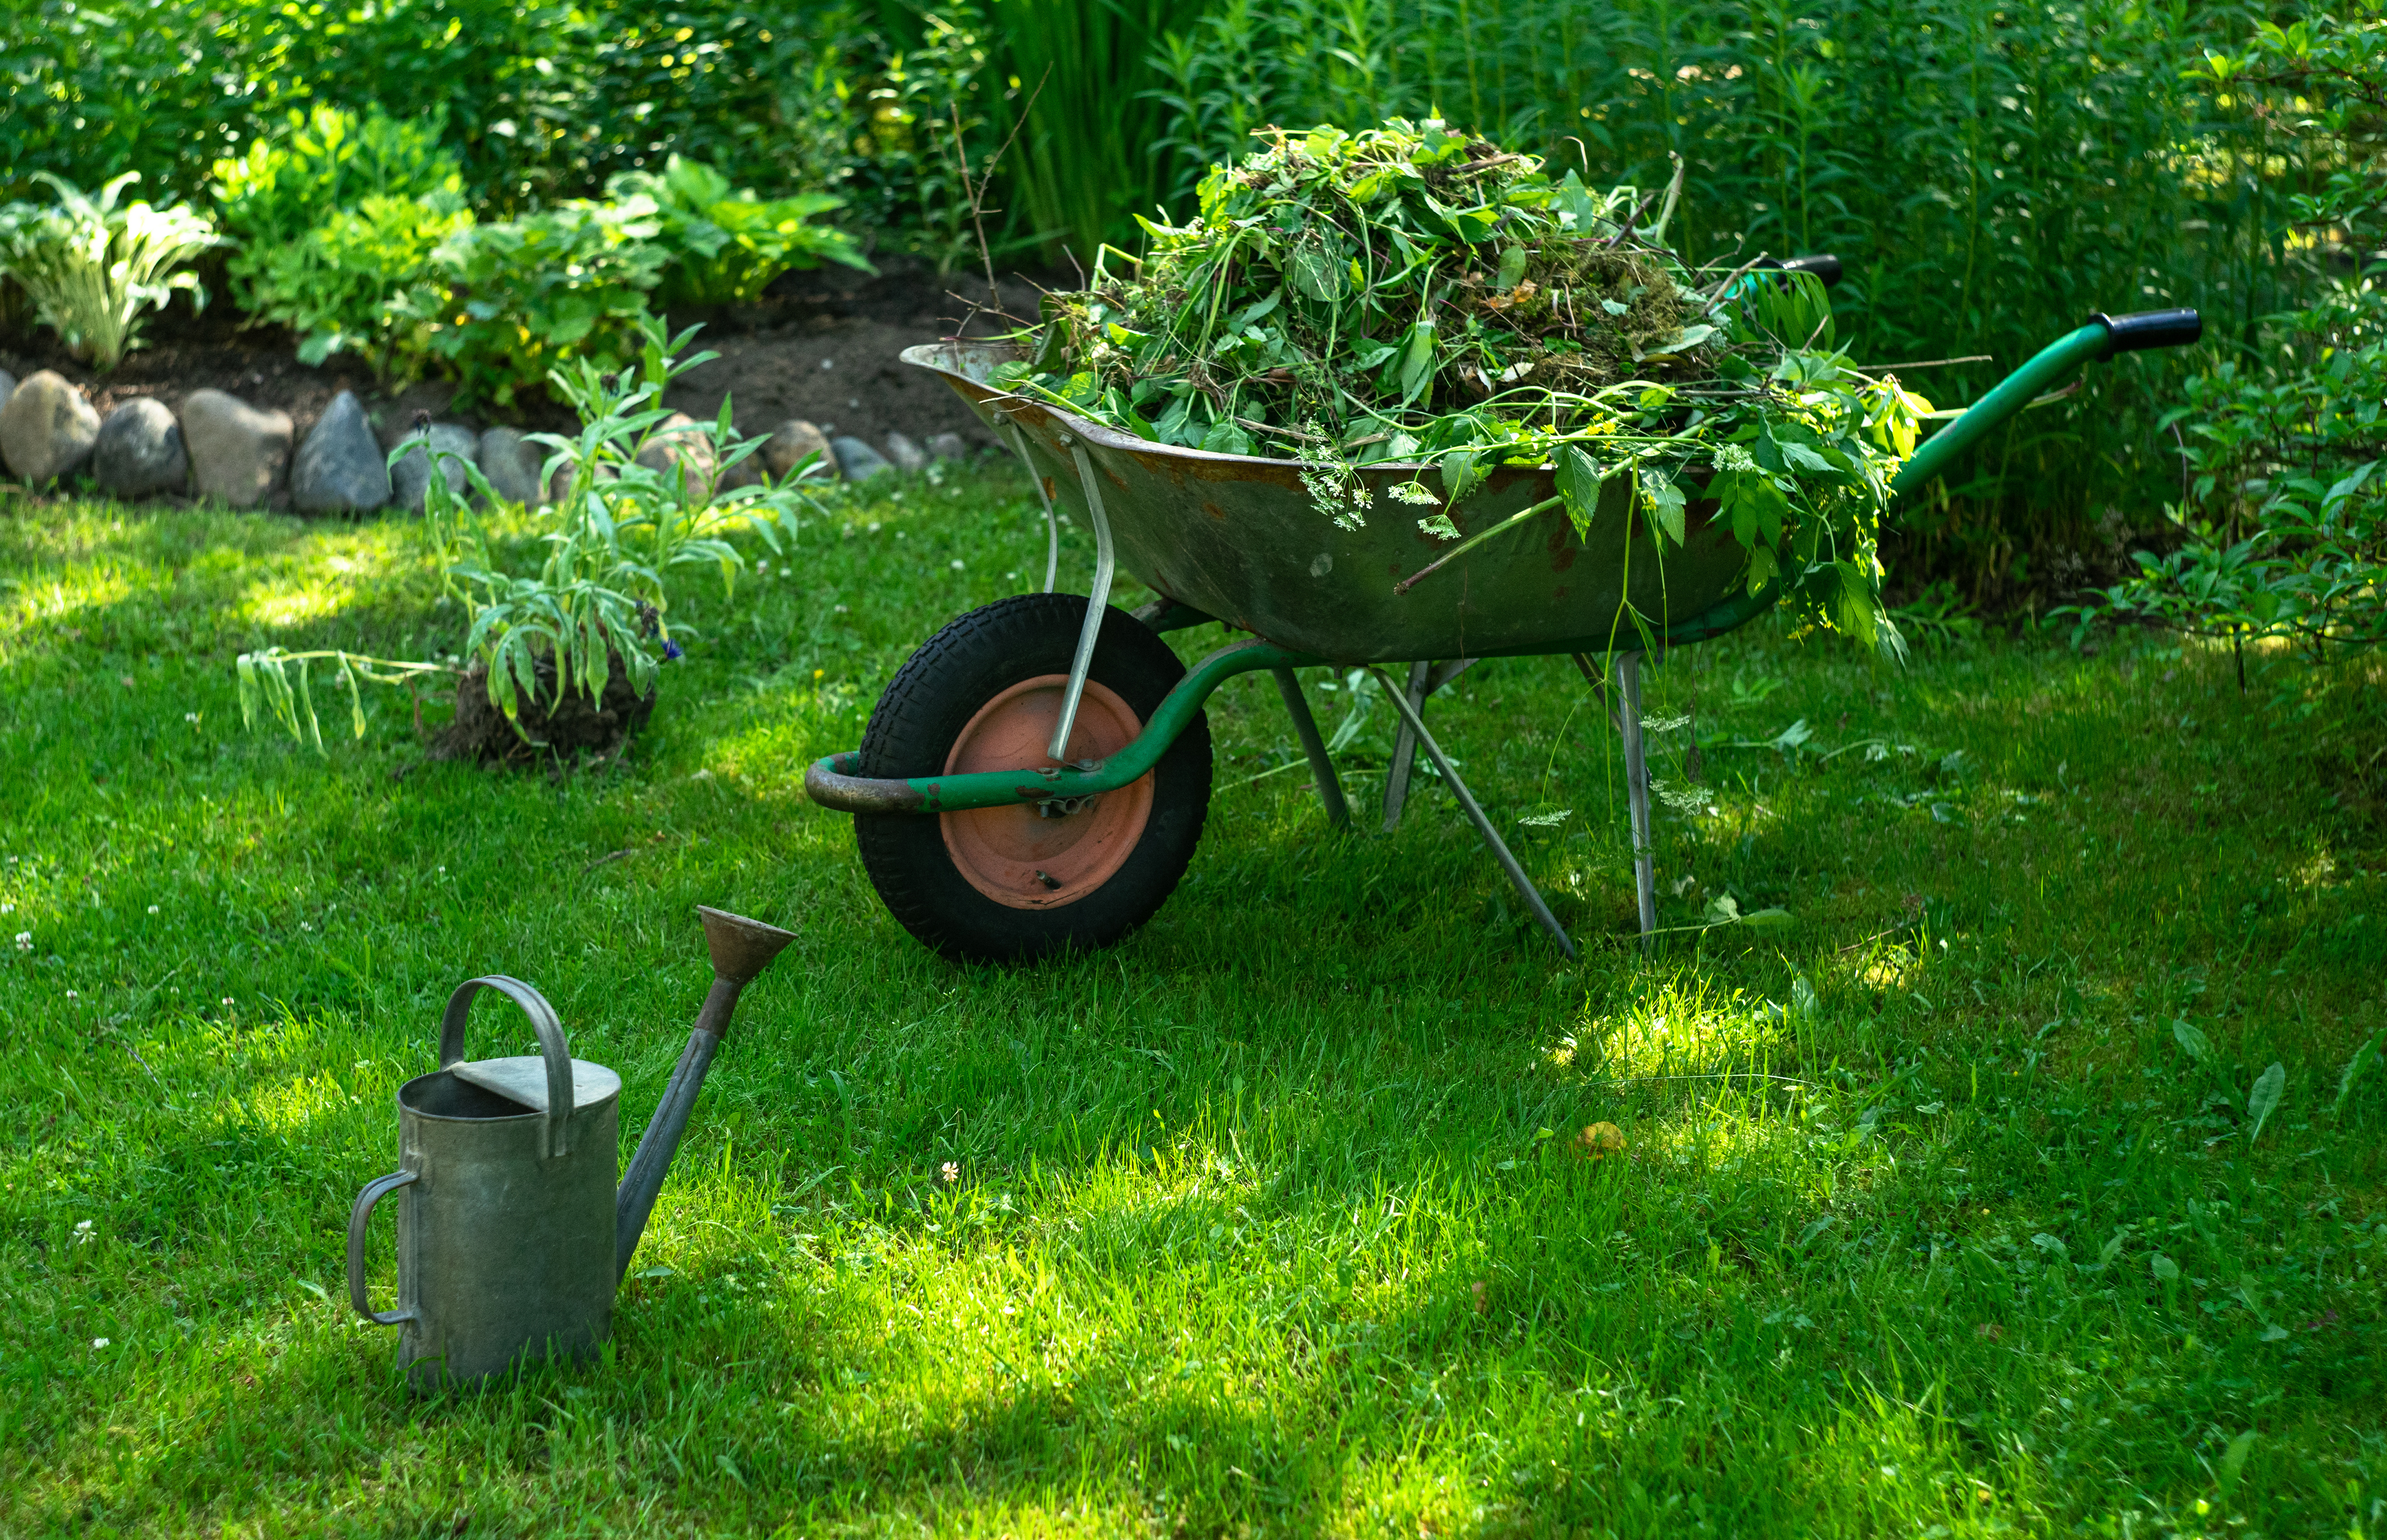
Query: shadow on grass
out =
(1238, 1181)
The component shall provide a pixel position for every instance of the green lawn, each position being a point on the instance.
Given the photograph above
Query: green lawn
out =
(1268, 1221)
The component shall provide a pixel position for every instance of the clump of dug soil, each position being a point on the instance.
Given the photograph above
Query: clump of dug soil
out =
(549, 728)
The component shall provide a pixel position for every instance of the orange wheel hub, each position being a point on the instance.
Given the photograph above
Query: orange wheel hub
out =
(1032, 857)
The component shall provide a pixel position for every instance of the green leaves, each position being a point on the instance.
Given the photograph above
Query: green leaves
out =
(1665, 503)
(1417, 360)
(1579, 482)
(92, 266)
(2364, 1057)
(723, 245)
(2263, 1100)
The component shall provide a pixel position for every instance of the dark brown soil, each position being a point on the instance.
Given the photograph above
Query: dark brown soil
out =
(771, 362)
(563, 730)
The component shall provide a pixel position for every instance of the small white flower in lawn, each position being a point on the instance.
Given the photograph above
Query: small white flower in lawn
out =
(958, 564)
(874, 526)
(443, 868)
(305, 926)
(227, 1000)
(24, 941)
(99, 1342)
(82, 1232)
(72, 995)
(950, 1173)
(191, 717)
(153, 909)
(1011, 577)
(701, 775)
(837, 609)
(7, 908)
(761, 567)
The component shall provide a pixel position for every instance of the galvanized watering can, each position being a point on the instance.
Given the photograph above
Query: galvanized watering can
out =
(511, 1233)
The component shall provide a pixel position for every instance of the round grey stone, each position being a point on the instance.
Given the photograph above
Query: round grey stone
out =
(856, 460)
(47, 428)
(410, 476)
(947, 446)
(340, 467)
(140, 450)
(905, 453)
(238, 453)
(511, 465)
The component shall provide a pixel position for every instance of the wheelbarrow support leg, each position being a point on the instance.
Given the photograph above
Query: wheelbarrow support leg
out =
(1396, 776)
(1096, 603)
(1052, 520)
(1637, 789)
(1321, 767)
(1475, 815)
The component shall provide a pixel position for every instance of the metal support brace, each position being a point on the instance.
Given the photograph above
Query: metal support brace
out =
(1321, 765)
(1637, 787)
(1396, 775)
(1525, 887)
(1052, 520)
(1425, 682)
(1096, 603)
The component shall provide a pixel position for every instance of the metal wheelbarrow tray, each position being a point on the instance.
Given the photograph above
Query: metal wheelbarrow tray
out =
(1034, 778)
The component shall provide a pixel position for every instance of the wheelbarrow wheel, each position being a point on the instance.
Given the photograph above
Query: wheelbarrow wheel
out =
(1014, 884)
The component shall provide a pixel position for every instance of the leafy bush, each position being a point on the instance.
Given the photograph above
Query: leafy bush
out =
(321, 164)
(534, 294)
(722, 245)
(2285, 520)
(365, 281)
(92, 268)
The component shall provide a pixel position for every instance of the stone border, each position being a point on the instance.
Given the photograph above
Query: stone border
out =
(224, 448)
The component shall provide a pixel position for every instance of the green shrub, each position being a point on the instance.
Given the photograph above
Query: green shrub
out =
(321, 163)
(366, 282)
(537, 294)
(93, 266)
(2284, 520)
(723, 246)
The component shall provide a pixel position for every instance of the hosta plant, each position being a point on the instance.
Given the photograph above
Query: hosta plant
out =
(93, 266)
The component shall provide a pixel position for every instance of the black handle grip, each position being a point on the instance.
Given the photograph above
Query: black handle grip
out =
(2133, 333)
(1825, 266)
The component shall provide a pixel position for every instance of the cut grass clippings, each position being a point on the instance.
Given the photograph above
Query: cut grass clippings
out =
(1937, 1213)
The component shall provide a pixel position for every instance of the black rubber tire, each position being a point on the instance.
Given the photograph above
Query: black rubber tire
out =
(911, 730)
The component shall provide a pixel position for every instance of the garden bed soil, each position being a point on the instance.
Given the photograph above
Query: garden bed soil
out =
(821, 346)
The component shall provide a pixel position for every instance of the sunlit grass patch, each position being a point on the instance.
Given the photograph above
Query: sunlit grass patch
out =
(1935, 1207)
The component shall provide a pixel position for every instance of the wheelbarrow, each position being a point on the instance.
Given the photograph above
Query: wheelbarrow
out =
(1036, 776)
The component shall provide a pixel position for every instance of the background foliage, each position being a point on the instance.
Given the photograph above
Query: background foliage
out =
(1991, 172)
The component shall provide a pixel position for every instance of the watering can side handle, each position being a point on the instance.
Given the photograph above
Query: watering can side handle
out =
(359, 1217)
(550, 1045)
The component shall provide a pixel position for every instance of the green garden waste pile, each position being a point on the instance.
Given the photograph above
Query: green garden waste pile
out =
(1411, 298)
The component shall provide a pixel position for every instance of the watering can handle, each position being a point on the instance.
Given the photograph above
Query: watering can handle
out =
(359, 1217)
(550, 1044)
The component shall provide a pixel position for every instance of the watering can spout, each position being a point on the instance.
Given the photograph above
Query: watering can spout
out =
(741, 948)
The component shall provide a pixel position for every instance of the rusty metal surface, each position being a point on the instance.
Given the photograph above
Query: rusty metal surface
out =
(1238, 536)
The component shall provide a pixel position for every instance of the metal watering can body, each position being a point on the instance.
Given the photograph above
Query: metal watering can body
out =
(511, 1233)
